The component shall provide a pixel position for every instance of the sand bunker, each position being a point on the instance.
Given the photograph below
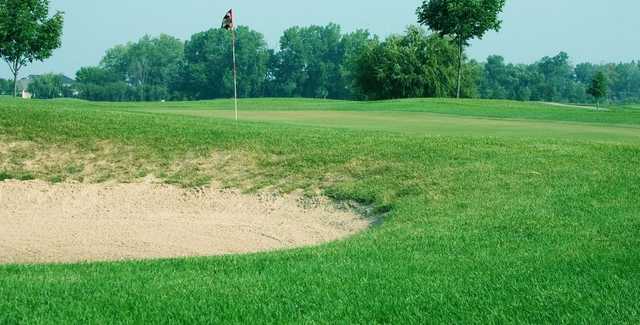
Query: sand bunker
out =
(43, 223)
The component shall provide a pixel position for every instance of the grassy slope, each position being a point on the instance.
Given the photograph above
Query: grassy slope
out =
(628, 114)
(480, 229)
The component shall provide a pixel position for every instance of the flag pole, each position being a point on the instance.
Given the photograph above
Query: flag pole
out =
(235, 70)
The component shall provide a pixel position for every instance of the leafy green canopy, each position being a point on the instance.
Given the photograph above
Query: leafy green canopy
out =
(27, 33)
(599, 87)
(462, 20)
(318, 62)
(555, 79)
(50, 86)
(148, 69)
(5, 87)
(150, 64)
(411, 65)
(208, 66)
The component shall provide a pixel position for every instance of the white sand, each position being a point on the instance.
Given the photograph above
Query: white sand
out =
(44, 223)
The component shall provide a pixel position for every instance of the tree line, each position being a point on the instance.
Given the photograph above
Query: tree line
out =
(323, 62)
(556, 79)
(313, 61)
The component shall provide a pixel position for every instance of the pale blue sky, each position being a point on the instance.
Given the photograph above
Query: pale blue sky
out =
(589, 30)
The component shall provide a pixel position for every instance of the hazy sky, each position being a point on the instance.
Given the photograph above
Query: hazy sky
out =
(589, 30)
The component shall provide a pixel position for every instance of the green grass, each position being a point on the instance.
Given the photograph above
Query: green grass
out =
(498, 212)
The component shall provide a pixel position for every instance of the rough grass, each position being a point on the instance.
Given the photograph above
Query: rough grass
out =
(481, 229)
(105, 161)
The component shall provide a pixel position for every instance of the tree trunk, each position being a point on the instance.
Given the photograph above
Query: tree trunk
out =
(459, 68)
(15, 84)
(15, 66)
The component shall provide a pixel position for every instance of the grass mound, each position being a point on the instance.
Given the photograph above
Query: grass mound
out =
(498, 211)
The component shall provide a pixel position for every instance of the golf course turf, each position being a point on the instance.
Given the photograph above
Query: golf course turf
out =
(492, 211)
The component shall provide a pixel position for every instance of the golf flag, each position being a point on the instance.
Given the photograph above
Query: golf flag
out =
(227, 22)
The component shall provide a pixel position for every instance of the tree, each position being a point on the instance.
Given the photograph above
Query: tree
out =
(151, 65)
(463, 20)
(496, 78)
(27, 33)
(49, 86)
(5, 87)
(624, 81)
(598, 88)
(96, 75)
(208, 66)
(411, 65)
(585, 72)
(154, 64)
(352, 46)
(308, 64)
(558, 77)
(97, 83)
(116, 60)
(149, 69)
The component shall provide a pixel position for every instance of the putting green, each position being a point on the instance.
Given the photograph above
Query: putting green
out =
(421, 123)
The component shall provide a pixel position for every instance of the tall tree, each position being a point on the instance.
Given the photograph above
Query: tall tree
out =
(495, 81)
(352, 46)
(308, 64)
(151, 65)
(27, 33)
(598, 88)
(557, 77)
(463, 20)
(208, 66)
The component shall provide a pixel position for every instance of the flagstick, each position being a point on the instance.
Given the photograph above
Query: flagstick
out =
(235, 72)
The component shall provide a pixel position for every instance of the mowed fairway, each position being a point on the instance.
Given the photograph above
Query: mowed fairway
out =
(431, 117)
(418, 123)
(492, 212)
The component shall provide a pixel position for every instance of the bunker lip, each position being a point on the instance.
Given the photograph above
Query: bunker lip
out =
(70, 223)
